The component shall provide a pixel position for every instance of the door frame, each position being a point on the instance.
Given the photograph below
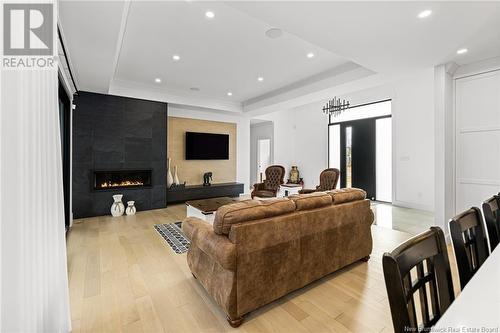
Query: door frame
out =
(66, 151)
(331, 123)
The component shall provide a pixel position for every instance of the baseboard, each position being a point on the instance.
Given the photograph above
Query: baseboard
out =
(412, 205)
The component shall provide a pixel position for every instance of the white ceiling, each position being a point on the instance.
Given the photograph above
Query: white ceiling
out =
(90, 32)
(388, 36)
(131, 43)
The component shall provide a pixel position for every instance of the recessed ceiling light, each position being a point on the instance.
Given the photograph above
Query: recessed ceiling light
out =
(260, 79)
(194, 89)
(210, 14)
(462, 51)
(229, 93)
(158, 80)
(274, 33)
(176, 57)
(310, 55)
(425, 13)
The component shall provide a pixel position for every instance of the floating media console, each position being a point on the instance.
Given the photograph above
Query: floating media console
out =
(194, 192)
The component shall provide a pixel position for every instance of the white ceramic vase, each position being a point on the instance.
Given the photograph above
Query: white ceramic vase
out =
(170, 179)
(130, 208)
(117, 208)
(176, 177)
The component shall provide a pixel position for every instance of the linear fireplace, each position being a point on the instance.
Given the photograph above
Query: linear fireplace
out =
(118, 179)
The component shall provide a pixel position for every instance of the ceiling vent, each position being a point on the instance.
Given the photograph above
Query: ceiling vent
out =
(274, 33)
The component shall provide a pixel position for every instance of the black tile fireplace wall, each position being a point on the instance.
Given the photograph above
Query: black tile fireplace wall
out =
(117, 133)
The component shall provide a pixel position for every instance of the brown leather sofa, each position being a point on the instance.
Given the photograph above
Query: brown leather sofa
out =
(258, 251)
(275, 175)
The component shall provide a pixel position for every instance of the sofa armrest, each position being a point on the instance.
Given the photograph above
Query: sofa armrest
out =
(217, 247)
(306, 191)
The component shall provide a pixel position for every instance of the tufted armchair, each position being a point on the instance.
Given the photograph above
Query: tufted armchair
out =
(328, 179)
(275, 175)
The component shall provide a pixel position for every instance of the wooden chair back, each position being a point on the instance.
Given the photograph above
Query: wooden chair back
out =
(418, 268)
(491, 211)
(469, 243)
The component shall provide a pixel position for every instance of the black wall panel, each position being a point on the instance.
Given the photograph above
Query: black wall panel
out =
(113, 133)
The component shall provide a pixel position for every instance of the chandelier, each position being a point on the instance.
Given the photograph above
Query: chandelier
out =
(335, 107)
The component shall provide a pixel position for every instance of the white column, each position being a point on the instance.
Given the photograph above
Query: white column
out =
(444, 145)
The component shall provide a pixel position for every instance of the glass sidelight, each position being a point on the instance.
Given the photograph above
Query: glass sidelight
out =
(348, 156)
(384, 159)
(334, 146)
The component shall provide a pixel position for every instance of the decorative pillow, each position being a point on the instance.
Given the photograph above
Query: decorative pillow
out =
(346, 195)
(311, 200)
(249, 210)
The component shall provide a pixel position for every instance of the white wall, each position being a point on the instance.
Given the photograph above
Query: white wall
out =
(242, 135)
(301, 137)
(264, 130)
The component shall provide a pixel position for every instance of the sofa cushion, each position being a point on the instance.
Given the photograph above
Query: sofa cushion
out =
(311, 200)
(346, 195)
(249, 210)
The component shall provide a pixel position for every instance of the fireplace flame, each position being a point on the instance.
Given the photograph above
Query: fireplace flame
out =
(122, 184)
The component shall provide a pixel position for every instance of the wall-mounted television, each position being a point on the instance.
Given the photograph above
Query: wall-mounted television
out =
(207, 146)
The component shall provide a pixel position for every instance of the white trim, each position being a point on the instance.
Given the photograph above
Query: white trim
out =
(478, 129)
(119, 42)
(480, 67)
(405, 204)
(171, 96)
(68, 60)
(488, 182)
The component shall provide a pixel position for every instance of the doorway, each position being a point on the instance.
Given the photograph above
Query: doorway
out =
(261, 149)
(360, 146)
(263, 157)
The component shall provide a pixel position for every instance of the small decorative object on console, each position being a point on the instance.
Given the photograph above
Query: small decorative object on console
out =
(176, 177)
(117, 208)
(294, 175)
(207, 177)
(170, 178)
(178, 186)
(130, 208)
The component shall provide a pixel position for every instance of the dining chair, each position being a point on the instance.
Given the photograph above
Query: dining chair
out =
(425, 255)
(491, 212)
(469, 243)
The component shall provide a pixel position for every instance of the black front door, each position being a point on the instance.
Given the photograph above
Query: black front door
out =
(357, 149)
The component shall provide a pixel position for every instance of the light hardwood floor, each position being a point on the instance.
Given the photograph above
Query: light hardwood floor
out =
(123, 277)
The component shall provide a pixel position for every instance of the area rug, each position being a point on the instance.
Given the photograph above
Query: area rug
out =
(172, 234)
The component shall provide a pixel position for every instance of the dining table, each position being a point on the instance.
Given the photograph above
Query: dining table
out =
(477, 307)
